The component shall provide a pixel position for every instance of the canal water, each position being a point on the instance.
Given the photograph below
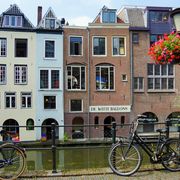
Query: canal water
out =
(68, 158)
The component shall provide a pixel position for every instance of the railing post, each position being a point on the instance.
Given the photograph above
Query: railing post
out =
(167, 128)
(114, 132)
(53, 147)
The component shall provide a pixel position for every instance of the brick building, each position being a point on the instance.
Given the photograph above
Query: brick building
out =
(97, 75)
(155, 87)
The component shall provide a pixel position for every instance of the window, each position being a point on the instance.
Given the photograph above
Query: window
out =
(20, 74)
(3, 46)
(3, 74)
(75, 46)
(12, 21)
(138, 83)
(159, 16)
(122, 121)
(99, 46)
(10, 100)
(118, 46)
(135, 38)
(124, 77)
(75, 77)
(108, 16)
(49, 79)
(30, 124)
(49, 49)
(155, 37)
(96, 122)
(160, 77)
(50, 23)
(49, 102)
(76, 105)
(105, 77)
(21, 47)
(26, 100)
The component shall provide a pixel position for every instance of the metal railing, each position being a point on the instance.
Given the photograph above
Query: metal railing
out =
(115, 131)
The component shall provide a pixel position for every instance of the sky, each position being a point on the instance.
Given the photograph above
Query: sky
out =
(78, 12)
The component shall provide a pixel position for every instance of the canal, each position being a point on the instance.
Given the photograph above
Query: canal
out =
(68, 158)
(72, 158)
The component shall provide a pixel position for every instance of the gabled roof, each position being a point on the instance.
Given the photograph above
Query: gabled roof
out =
(98, 17)
(135, 16)
(15, 10)
(49, 15)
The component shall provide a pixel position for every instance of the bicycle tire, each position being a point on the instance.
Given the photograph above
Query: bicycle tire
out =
(124, 166)
(171, 155)
(12, 161)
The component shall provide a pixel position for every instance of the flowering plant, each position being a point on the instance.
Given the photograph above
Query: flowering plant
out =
(166, 50)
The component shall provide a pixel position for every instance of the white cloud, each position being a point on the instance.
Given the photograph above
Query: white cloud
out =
(80, 21)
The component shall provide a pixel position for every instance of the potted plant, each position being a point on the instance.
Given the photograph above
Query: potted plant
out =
(166, 50)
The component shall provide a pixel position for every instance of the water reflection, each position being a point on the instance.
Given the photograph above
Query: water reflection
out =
(68, 159)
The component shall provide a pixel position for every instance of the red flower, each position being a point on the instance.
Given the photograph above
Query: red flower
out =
(166, 50)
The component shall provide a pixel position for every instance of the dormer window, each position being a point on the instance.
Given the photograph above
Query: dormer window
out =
(12, 21)
(50, 23)
(109, 16)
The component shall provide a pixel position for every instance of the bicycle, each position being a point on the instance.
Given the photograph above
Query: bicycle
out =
(12, 158)
(125, 157)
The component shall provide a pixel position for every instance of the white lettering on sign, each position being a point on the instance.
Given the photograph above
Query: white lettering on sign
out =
(110, 108)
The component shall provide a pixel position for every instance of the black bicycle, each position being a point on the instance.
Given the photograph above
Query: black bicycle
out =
(125, 157)
(12, 158)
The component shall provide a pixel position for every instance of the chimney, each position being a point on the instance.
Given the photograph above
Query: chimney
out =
(39, 14)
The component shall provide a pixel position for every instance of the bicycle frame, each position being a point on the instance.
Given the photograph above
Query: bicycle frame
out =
(151, 153)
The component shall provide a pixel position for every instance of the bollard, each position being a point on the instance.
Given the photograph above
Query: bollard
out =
(114, 132)
(53, 147)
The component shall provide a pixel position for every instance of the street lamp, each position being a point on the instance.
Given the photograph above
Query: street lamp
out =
(175, 14)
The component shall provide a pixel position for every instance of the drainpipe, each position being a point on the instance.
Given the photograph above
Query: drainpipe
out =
(131, 75)
(88, 84)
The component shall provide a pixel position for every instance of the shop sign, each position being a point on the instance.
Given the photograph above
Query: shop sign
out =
(100, 109)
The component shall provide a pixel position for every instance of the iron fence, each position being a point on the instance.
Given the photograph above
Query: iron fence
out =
(109, 136)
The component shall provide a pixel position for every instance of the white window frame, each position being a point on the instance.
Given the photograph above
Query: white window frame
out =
(3, 45)
(80, 87)
(3, 74)
(119, 50)
(49, 79)
(108, 66)
(46, 27)
(51, 58)
(75, 111)
(138, 85)
(161, 77)
(70, 45)
(10, 95)
(26, 95)
(124, 77)
(21, 67)
(10, 17)
(103, 55)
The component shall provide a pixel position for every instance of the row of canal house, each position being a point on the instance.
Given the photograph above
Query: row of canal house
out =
(79, 75)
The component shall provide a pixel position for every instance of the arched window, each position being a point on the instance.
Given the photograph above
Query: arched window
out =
(30, 124)
(122, 121)
(105, 77)
(96, 122)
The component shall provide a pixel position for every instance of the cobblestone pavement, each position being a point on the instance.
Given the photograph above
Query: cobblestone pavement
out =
(147, 175)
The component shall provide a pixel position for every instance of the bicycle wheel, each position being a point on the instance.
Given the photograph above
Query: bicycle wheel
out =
(124, 161)
(12, 161)
(171, 155)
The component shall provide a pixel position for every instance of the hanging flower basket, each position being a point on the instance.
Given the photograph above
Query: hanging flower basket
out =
(166, 50)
